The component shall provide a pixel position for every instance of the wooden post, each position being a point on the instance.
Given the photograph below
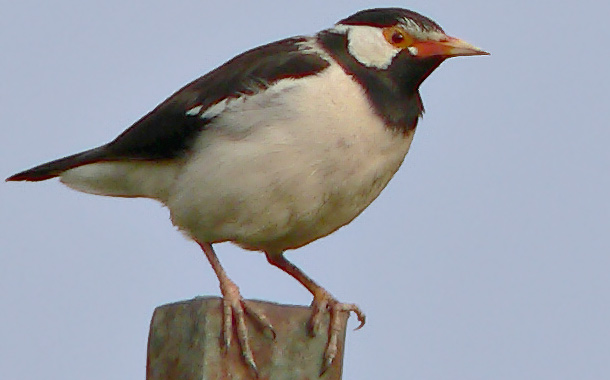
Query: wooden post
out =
(185, 344)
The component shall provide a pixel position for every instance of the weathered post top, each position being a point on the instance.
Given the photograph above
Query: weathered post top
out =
(184, 344)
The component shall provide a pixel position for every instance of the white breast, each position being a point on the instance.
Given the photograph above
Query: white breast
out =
(282, 168)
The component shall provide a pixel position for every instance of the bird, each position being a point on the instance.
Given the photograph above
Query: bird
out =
(278, 147)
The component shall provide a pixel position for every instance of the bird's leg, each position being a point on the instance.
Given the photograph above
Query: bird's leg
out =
(322, 301)
(235, 308)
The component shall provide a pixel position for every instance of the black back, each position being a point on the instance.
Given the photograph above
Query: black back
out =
(167, 131)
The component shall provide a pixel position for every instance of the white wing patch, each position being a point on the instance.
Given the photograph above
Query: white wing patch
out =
(215, 109)
(272, 92)
(311, 46)
(211, 112)
(194, 111)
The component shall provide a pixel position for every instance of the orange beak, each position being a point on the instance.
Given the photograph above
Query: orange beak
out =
(447, 48)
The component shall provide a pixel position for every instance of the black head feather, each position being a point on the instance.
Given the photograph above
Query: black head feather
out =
(383, 17)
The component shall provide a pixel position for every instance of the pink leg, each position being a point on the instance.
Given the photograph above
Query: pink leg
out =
(235, 307)
(322, 301)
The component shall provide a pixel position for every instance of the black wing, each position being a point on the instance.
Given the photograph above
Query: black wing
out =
(168, 131)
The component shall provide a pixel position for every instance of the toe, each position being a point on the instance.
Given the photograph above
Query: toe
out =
(244, 338)
(350, 307)
(322, 303)
(260, 319)
(227, 325)
(235, 310)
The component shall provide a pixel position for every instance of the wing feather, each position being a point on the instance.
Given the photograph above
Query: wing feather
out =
(168, 131)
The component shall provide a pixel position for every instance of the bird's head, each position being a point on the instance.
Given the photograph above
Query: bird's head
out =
(378, 37)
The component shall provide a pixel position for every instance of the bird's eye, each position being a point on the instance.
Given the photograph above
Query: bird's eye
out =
(397, 37)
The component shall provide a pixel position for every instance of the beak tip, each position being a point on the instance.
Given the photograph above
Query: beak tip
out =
(459, 47)
(447, 48)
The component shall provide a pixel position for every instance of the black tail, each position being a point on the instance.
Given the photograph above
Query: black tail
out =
(56, 167)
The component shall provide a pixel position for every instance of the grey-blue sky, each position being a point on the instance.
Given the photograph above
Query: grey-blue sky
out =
(486, 257)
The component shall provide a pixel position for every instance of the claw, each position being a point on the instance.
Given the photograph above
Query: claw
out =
(326, 365)
(359, 314)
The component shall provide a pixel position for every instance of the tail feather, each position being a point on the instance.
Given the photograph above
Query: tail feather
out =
(55, 168)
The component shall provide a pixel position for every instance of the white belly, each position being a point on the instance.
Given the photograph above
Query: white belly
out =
(282, 176)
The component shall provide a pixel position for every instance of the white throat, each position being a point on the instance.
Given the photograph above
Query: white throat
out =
(368, 45)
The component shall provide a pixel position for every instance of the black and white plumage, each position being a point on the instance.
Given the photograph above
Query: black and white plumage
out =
(278, 147)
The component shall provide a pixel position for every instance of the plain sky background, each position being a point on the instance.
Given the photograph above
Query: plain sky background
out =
(487, 257)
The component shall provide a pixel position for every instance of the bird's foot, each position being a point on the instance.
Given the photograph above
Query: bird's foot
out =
(323, 302)
(235, 308)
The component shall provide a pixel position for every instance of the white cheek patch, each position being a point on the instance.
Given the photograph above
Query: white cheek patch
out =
(368, 45)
